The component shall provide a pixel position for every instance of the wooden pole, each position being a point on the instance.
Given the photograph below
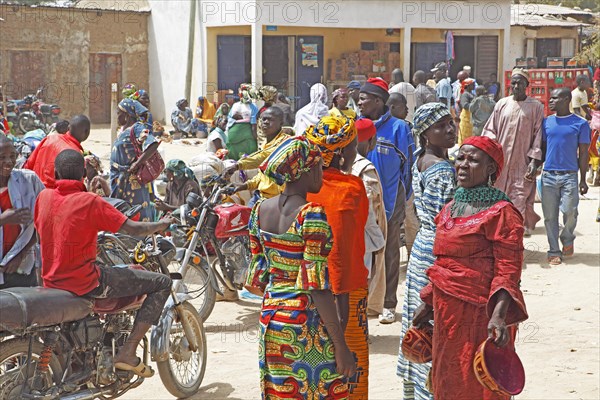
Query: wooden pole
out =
(114, 89)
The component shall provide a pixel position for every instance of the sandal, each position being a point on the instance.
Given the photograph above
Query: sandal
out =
(554, 260)
(568, 251)
(141, 369)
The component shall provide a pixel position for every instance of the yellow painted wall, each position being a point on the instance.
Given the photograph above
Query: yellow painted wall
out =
(337, 41)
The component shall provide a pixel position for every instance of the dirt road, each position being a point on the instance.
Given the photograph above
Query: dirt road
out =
(559, 344)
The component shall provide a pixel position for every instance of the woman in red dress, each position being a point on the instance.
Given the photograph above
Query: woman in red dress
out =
(474, 291)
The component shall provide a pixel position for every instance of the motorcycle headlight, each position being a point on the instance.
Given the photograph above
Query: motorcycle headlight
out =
(56, 111)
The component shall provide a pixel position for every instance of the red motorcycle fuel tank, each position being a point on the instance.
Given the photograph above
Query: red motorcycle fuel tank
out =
(233, 220)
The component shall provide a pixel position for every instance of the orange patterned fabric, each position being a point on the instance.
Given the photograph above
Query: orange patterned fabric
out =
(347, 207)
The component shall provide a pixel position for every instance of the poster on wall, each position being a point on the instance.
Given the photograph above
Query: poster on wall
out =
(310, 55)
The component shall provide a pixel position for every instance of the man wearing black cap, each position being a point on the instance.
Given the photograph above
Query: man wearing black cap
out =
(392, 158)
(443, 88)
(353, 91)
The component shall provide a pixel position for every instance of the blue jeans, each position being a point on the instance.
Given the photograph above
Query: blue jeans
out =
(560, 192)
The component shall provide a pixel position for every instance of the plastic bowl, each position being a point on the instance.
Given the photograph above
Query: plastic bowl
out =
(499, 369)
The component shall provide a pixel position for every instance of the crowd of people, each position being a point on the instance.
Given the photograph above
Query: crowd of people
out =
(447, 171)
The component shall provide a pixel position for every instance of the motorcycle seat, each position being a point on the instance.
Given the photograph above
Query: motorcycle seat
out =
(116, 305)
(20, 308)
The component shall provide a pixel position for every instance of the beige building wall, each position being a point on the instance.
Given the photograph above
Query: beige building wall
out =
(51, 47)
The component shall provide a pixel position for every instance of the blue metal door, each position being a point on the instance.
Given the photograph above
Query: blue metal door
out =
(309, 66)
(233, 61)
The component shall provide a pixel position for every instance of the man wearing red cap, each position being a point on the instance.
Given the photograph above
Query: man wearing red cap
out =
(392, 157)
(376, 227)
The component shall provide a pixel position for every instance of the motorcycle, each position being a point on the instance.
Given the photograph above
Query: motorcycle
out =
(36, 114)
(55, 345)
(215, 237)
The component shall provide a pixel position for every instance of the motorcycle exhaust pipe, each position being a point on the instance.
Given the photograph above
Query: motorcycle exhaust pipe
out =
(88, 394)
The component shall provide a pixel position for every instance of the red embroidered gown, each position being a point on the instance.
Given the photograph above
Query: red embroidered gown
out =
(477, 256)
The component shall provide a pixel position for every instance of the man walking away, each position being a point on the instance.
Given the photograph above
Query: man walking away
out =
(405, 89)
(566, 139)
(481, 108)
(443, 89)
(423, 93)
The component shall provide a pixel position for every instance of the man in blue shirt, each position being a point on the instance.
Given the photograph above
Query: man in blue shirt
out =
(392, 158)
(565, 142)
(443, 89)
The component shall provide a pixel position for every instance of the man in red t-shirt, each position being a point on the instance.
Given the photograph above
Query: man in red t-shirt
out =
(68, 220)
(41, 161)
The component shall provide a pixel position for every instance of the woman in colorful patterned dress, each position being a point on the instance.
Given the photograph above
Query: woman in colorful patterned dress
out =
(433, 183)
(344, 198)
(123, 160)
(302, 352)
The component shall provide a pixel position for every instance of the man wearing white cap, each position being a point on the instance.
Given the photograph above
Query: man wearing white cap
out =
(516, 123)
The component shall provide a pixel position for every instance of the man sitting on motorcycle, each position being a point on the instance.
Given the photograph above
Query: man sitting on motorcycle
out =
(68, 220)
(42, 159)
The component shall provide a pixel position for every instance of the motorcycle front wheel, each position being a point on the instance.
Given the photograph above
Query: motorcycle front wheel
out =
(183, 371)
(197, 281)
(26, 122)
(13, 365)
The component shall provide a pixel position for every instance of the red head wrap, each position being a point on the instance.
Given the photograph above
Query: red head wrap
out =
(490, 147)
(366, 129)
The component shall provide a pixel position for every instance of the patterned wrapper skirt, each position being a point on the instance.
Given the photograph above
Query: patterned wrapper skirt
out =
(357, 339)
(296, 354)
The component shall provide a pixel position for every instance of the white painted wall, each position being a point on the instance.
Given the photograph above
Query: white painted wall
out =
(483, 14)
(167, 54)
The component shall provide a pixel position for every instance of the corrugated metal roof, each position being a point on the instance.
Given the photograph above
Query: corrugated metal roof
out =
(141, 6)
(543, 9)
(538, 20)
(115, 5)
(546, 15)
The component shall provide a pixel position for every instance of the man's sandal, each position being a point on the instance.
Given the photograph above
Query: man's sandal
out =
(554, 260)
(141, 369)
(568, 251)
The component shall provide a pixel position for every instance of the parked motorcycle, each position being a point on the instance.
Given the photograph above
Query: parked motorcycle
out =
(56, 345)
(215, 237)
(35, 114)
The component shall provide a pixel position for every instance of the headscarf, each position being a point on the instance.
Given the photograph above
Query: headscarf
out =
(128, 90)
(521, 72)
(427, 115)
(179, 169)
(268, 93)
(138, 94)
(465, 83)
(338, 92)
(247, 93)
(208, 109)
(293, 157)
(180, 102)
(94, 162)
(332, 134)
(134, 108)
(490, 147)
(313, 111)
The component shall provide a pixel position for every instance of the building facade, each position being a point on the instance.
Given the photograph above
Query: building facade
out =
(74, 54)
